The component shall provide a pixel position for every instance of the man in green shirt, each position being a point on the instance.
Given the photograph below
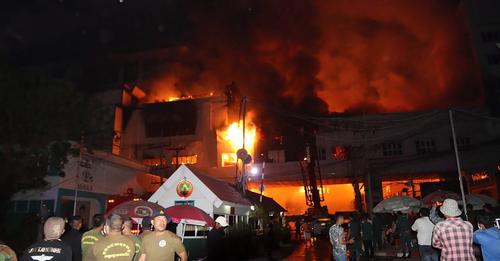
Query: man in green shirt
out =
(127, 231)
(90, 237)
(114, 246)
(161, 245)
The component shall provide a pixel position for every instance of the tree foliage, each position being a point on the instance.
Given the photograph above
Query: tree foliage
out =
(39, 115)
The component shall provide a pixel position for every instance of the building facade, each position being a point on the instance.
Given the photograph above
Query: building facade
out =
(97, 176)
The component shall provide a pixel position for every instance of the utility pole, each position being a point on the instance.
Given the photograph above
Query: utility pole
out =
(243, 116)
(457, 158)
(78, 174)
(177, 150)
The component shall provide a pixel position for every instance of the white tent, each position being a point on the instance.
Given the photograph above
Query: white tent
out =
(213, 196)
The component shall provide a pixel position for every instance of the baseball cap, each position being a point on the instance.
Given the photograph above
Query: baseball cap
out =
(160, 213)
(222, 221)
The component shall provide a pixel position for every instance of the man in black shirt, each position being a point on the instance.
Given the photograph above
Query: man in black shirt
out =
(215, 237)
(51, 248)
(73, 237)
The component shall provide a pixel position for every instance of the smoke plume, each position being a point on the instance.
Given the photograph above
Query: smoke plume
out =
(320, 56)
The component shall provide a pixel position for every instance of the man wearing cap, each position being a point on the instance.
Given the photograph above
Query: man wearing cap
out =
(90, 237)
(51, 248)
(113, 246)
(215, 240)
(161, 245)
(453, 235)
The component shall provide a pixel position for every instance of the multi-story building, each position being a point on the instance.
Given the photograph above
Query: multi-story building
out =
(484, 23)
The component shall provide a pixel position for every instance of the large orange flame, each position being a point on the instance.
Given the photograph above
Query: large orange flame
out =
(232, 139)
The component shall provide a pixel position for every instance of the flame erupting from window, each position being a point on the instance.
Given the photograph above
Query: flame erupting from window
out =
(232, 140)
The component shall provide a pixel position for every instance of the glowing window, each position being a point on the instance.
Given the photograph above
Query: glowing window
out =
(228, 159)
(186, 160)
(155, 162)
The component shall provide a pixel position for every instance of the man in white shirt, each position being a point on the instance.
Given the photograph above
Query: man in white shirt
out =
(423, 226)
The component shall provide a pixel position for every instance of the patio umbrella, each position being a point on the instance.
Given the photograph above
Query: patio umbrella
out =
(135, 209)
(440, 195)
(189, 213)
(478, 200)
(397, 203)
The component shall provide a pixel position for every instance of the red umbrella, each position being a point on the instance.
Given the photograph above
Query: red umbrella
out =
(439, 195)
(188, 212)
(135, 209)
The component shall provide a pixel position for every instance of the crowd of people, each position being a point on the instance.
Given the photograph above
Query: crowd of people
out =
(440, 233)
(113, 239)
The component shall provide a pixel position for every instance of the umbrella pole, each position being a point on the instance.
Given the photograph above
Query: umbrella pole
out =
(457, 158)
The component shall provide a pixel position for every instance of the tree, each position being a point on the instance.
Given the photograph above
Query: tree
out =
(39, 115)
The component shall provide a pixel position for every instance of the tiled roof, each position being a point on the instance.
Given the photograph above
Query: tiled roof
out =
(223, 190)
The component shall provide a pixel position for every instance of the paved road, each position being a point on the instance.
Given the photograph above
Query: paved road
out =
(321, 251)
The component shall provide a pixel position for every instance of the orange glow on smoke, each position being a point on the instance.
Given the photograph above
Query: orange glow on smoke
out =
(232, 140)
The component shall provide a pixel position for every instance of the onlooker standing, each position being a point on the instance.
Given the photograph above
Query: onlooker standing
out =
(378, 228)
(434, 213)
(403, 228)
(162, 244)
(453, 235)
(146, 226)
(73, 237)
(471, 216)
(367, 235)
(215, 240)
(355, 237)
(114, 246)
(338, 239)
(424, 226)
(51, 248)
(298, 224)
(488, 236)
(90, 237)
(306, 229)
(127, 231)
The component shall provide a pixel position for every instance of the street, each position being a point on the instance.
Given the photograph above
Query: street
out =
(322, 251)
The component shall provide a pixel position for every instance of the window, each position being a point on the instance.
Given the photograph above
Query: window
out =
(481, 177)
(463, 143)
(322, 154)
(186, 160)
(339, 153)
(155, 162)
(425, 146)
(392, 149)
(493, 59)
(491, 36)
(228, 159)
(190, 231)
(231, 220)
(195, 231)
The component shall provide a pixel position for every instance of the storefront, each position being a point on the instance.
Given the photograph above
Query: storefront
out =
(100, 174)
(217, 198)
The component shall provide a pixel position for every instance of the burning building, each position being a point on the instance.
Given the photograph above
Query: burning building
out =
(204, 132)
